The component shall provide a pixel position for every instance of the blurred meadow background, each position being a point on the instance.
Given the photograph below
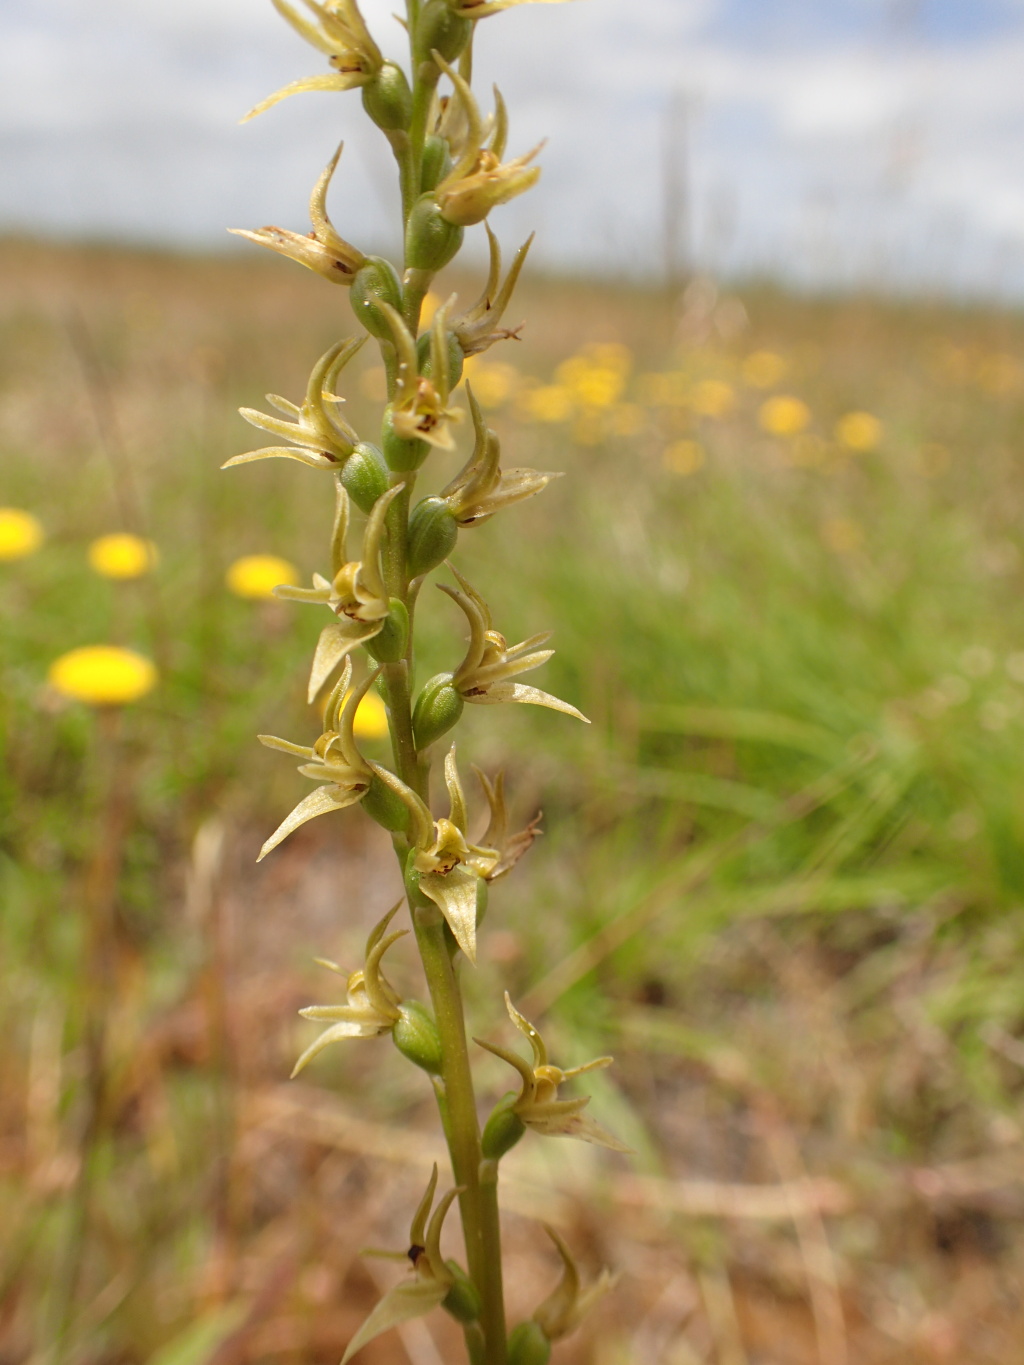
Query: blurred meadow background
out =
(782, 874)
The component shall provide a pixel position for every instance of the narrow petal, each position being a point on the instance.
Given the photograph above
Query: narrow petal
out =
(321, 801)
(411, 1299)
(576, 1125)
(285, 746)
(335, 1035)
(510, 691)
(306, 457)
(454, 893)
(336, 80)
(335, 642)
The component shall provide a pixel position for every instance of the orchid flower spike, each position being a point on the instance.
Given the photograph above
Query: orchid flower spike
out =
(433, 1278)
(373, 1005)
(356, 592)
(486, 675)
(482, 487)
(333, 757)
(341, 34)
(322, 250)
(537, 1105)
(323, 439)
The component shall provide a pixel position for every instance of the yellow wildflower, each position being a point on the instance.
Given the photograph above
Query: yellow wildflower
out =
(494, 384)
(763, 369)
(712, 398)
(256, 576)
(859, 431)
(684, 457)
(122, 555)
(547, 403)
(102, 675)
(371, 720)
(784, 415)
(21, 533)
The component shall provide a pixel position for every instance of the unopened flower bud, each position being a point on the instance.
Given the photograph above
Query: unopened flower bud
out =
(431, 238)
(389, 644)
(440, 29)
(437, 162)
(463, 1299)
(438, 708)
(433, 532)
(456, 358)
(388, 100)
(381, 804)
(376, 282)
(364, 476)
(527, 1345)
(416, 1037)
(502, 1130)
(401, 455)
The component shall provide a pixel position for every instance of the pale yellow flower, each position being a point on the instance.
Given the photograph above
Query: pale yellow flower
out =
(21, 533)
(256, 576)
(548, 403)
(494, 384)
(763, 369)
(122, 555)
(683, 457)
(859, 431)
(712, 398)
(371, 719)
(784, 415)
(102, 675)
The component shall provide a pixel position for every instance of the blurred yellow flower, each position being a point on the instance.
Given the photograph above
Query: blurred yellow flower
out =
(20, 533)
(859, 431)
(102, 675)
(684, 457)
(122, 555)
(610, 355)
(547, 403)
(842, 535)
(594, 385)
(712, 398)
(371, 718)
(763, 369)
(256, 576)
(493, 384)
(431, 303)
(784, 415)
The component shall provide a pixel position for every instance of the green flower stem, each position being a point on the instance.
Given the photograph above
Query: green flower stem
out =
(478, 1205)
(478, 1202)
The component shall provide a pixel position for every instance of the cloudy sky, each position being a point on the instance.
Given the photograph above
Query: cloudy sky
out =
(830, 140)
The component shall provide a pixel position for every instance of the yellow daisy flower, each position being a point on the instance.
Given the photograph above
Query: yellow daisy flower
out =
(256, 576)
(122, 555)
(21, 533)
(102, 675)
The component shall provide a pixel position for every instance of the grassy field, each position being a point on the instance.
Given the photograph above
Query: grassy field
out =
(782, 876)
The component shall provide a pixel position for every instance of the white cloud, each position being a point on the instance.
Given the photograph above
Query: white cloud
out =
(122, 118)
